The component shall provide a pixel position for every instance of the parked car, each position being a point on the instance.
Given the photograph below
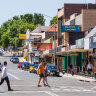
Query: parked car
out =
(19, 65)
(31, 69)
(15, 60)
(52, 69)
(25, 65)
(35, 68)
(0, 66)
(1, 53)
(11, 59)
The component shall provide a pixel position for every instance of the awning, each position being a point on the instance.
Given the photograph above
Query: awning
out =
(72, 51)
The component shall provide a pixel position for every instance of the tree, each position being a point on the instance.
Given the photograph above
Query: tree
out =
(10, 30)
(15, 18)
(39, 19)
(5, 39)
(54, 20)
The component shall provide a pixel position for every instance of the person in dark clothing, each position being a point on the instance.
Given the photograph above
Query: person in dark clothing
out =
(4, 76)
(84, 67)
(71, 69)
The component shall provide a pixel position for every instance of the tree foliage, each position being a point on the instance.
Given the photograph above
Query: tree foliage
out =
(54, 20)
(10, 30)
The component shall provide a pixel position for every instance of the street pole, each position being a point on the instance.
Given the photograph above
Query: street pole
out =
(54, 45)
(67, 57)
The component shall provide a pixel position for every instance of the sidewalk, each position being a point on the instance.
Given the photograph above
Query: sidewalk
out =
(78, 77)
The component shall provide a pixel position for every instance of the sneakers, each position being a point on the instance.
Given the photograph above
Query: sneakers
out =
(39, 86)
(45, 85)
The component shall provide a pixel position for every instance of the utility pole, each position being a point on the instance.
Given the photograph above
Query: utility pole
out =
(54, 44)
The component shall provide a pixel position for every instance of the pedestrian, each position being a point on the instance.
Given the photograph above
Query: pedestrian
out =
(89, 68)
(84, 67)
(41, 73)
(71, 69)
(4, 76)
(46, 74)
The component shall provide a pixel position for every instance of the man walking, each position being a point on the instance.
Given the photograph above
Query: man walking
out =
(46, 74)
(4, 76)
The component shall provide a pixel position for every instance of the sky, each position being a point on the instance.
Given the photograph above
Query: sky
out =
(10, 8)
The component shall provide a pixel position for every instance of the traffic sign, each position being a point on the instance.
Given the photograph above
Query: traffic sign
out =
(22, 36)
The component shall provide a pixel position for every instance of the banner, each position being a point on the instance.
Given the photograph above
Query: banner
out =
(44, 46)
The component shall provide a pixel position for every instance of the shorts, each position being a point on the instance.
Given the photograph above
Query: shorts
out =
(41, 75)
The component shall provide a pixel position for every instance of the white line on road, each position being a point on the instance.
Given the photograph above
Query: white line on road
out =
(14, 76)
(47, 92)
(22, 92)
(51, 94)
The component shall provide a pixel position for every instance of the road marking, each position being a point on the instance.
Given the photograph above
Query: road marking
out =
(22, 92)
(71, 89)
(14, 76)
(51, 94)
(28, 92)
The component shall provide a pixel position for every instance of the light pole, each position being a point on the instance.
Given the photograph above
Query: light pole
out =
(54, 37)
(54, 44)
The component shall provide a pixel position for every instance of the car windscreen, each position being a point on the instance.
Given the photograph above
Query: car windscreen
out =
(16, 58)
(32, 65)
(36, 66)
(52, 67)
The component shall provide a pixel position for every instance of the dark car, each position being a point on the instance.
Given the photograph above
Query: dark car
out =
(0, 66)
(35, 68)
(15, 60)
(11, 59)
(1, 53)
(25, 65)
(52, 69)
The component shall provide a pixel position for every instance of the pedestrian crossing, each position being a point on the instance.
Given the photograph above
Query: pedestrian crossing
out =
(71, 89)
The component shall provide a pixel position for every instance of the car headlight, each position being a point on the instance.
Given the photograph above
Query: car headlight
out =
(48, 70)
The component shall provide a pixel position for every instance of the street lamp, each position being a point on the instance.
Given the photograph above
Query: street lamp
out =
(54, 37)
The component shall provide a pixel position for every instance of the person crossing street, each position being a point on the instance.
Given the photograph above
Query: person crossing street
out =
(41, 73)
(4, 76)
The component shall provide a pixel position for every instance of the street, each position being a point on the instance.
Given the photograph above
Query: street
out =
(25, 84)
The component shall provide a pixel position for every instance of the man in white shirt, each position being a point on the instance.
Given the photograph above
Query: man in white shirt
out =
(89, 67)
(4, 76)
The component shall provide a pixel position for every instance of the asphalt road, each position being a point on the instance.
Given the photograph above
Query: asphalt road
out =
(25, 84)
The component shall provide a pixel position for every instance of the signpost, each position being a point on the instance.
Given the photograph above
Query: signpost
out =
(22, 36)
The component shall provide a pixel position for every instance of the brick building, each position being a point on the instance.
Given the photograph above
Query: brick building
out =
(64, 15)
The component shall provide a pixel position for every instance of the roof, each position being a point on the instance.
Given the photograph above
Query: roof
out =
(40, 29)
(91, 33)
(52, 28)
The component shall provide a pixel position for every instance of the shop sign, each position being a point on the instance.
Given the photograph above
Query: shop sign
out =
(70, 28)
(44, 46)
(34, 48)
(36, 59)
(80, 43)
(73, 47)
(22, 36)
(46, 52)
(73, 54)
